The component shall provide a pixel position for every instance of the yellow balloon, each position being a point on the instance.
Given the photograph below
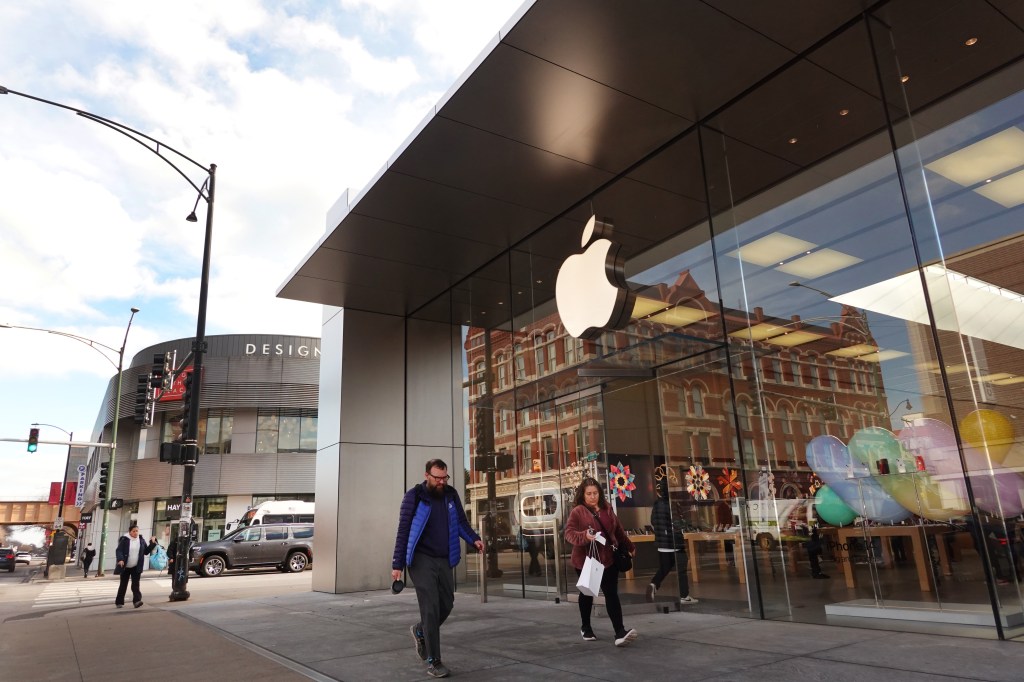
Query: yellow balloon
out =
(988, 432)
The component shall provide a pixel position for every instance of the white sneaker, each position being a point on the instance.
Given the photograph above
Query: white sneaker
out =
(627, 638)
(688, 600)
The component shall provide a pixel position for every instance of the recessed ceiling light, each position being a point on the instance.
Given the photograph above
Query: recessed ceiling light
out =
(982, 160)
(970, 41)
(792, 140)
(501, 303)
(904, 79)
(796, 338)
(540, 281)
(844, 112)
(819, 264)
(988, 181)
(770, 249)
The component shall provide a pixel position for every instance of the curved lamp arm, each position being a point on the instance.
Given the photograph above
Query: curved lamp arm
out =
(95, 345)
(128, 132)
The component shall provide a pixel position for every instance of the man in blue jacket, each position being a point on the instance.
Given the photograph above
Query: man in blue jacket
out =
(430, 523)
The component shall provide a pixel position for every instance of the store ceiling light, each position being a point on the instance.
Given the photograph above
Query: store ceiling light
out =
(680, 316)
(961, 304)
(819, 264)
(759, 332)
(994, 377)
(797, 338)
(984, 159)
(882, 355)
(1008, 382)
(853, 351)
(771, 249)
(1008, 191)
(645, 306)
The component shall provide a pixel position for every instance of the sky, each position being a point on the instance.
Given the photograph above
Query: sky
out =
(295, 101)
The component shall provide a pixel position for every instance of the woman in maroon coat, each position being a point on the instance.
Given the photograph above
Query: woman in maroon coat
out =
(591, 515)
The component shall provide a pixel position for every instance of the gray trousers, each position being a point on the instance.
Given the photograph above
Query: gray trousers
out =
(435, 592)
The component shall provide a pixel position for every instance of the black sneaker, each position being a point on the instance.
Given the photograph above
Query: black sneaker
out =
(588, 635)
(651, 591)
(626, 638)
(137, 604)
(421, 644)
(437, 669)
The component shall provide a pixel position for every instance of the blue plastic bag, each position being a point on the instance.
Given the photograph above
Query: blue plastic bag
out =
(158, 560)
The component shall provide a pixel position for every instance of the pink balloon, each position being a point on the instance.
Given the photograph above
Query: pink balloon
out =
(997, 490)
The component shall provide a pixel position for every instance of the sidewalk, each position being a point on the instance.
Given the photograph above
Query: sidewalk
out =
(364, 636)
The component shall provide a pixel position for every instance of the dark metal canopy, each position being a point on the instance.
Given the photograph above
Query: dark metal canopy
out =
(570, 96)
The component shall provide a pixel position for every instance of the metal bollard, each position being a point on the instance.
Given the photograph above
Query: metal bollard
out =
(558, 558)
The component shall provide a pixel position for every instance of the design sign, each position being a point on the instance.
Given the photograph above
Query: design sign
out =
(591, 291)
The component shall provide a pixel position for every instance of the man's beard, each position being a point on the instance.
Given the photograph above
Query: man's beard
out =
(436, 490)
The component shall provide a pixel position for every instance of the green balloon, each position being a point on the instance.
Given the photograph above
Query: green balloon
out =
(831, 508)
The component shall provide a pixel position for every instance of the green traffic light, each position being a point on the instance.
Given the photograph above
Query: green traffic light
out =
(33, 440)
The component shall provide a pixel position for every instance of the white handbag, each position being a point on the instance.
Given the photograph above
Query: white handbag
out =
(592, 573)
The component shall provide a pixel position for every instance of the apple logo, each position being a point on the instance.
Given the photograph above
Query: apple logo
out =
(591, 291)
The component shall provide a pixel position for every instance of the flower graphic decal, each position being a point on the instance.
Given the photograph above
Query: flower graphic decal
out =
(698, 482)
(621, 480)
(729, 483)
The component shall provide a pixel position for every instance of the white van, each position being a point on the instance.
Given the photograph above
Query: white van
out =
(274, 511)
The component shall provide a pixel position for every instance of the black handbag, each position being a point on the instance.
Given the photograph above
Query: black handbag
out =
(620, 557)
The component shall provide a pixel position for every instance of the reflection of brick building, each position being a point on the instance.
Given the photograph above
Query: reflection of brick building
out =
(793, 380)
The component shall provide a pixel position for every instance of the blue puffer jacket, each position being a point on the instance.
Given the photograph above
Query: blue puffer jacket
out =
(412, 518)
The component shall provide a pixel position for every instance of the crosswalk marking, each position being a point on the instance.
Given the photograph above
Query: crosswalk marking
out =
(86, 593)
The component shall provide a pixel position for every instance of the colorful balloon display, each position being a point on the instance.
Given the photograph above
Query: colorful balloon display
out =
(988, 432)
(831, 508)
(887, 477)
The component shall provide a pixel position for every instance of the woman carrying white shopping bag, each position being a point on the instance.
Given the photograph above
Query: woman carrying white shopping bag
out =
(590, 521)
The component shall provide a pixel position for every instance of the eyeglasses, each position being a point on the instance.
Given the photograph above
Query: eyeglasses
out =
(442, 479)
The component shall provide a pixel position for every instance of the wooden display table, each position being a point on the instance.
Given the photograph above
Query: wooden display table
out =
(919, 548)
(723, 562)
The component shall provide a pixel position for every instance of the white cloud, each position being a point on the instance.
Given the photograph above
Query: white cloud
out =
(295, 102)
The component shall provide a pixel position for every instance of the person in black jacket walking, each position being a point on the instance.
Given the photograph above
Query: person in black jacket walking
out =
(670, 548)
(87, 556)
(131, 560)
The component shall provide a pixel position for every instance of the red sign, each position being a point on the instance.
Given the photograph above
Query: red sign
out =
(69, 492)
(177, 390)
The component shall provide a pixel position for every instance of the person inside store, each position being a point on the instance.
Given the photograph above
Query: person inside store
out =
(592, 515)
(131, 560)
(814, 548)
(671, 551)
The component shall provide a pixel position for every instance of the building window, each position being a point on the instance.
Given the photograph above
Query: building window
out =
(784, 418)
(538, 353)
(565, 447)
(502, 372)
(520, 363)
(527, 457)
(552, 357)
(214, 431)
(549, 452)
(777, 370)
(698, 401)
(481, 383)
(286, 430)
(790, 453)
(743, 412)
(703, 448)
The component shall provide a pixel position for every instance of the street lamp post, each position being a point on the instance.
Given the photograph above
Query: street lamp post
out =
(179, 580)
(98, 347)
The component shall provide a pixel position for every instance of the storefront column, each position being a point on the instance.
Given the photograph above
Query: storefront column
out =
(365, 457)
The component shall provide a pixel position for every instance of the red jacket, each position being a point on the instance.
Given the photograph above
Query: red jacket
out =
(580, 519)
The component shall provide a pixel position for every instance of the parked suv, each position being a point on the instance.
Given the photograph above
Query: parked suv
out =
(289, 547)
(7, 559)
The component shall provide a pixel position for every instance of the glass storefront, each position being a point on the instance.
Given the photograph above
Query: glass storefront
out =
(824, 363)
(209, 515)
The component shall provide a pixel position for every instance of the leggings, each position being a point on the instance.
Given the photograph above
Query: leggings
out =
(610, 589)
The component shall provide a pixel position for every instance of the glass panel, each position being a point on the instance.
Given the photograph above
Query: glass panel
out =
(962, 171)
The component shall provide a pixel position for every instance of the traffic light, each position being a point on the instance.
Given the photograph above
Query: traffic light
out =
(159, 373)
(104, 480)
(33, 440)
(142, 400)
(172, 453)
(483, 425)
(186, 399)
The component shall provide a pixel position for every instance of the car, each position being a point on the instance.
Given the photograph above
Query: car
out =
(23, 558)
(288, 547)
(7, 559)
